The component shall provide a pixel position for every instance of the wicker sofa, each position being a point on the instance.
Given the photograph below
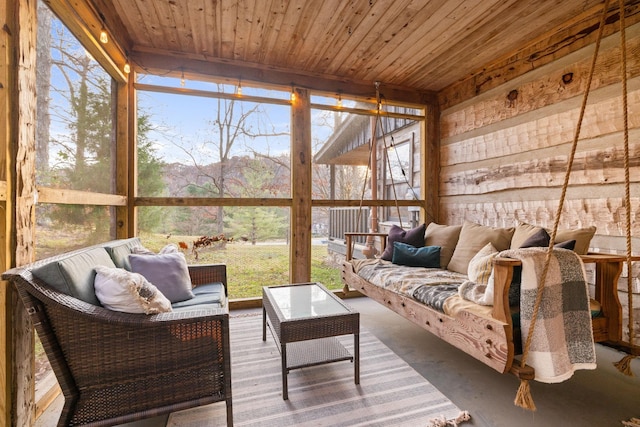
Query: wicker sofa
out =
(115, 367)
(487, 332)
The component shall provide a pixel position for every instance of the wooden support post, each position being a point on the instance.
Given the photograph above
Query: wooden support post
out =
(6, 252)
(300, 248)
(18, 114)
(606, 292)
(430, 155)
(125, 163)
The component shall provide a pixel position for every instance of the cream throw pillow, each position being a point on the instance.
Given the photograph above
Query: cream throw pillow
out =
(474, 237)
(445, 236)
(582, 236)
(480, 286)
(481, 265)
(522, 232)
(120, 290)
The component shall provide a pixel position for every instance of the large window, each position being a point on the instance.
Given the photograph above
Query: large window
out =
(208, 146)
(222, 154)
(75, 151)
(75, 139)
(368, 155)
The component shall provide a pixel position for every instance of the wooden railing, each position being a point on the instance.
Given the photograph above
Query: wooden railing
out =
(347, 220)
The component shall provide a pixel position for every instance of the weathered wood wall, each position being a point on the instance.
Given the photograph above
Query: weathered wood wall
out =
(18, 99)
(504, 152)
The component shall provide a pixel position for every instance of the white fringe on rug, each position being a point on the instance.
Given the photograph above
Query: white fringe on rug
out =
(464, 416)
(633, 422)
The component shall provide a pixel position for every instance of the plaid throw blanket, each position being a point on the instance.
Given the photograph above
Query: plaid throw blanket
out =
(563, 339)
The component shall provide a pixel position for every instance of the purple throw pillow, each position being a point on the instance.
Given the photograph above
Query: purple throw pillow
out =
(413, 237)
(541, 239)
(168, 272)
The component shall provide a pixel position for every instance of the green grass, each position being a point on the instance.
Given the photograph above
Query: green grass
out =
(250, 267)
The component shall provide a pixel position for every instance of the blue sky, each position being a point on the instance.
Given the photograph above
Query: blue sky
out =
(186, 121)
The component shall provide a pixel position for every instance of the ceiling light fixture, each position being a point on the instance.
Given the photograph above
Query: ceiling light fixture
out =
(239, 89)
(104, 37)
(293, 94)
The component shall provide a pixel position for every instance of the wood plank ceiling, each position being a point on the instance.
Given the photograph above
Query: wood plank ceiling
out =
(412, 44)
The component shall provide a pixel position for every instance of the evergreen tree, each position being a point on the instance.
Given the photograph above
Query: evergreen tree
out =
(150, 177)
(259, 179)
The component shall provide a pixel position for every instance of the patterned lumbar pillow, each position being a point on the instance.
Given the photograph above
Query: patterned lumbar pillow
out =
(120, 290)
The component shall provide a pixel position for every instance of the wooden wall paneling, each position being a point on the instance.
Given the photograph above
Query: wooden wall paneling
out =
(7, 92)
(301, 211)
(20, 162)
(575, 34)
(545, 86)
(547, 127)
(606, 214)
(505, 145)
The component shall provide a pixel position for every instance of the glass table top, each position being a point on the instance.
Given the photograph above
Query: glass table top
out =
(307, 300)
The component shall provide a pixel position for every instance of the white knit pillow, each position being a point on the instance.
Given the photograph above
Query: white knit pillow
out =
(481, 265)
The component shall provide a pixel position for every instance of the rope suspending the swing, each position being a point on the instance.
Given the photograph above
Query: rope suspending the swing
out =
(624, 365)
(524, 399)
(372, 146)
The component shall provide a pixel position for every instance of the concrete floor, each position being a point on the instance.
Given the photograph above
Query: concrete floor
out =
(600, 398)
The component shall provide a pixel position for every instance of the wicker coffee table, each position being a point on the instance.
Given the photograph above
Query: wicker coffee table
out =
(304, 319)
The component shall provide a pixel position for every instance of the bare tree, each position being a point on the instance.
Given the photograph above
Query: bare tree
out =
(43, 81)
(233, 123)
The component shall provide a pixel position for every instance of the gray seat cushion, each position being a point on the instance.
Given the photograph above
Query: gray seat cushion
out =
(74, 275)
(119, 251)
(208, 294)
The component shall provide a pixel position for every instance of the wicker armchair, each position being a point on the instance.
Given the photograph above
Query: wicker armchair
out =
(116, 367)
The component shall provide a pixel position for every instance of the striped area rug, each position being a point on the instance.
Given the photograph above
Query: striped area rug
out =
(390, 393)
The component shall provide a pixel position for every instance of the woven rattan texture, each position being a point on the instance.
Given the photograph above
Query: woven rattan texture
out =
(117, 367)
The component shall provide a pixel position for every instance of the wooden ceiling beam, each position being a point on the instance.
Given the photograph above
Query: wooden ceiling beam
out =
(173, 64)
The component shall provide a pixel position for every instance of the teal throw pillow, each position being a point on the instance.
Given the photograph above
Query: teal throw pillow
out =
(426, 256)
